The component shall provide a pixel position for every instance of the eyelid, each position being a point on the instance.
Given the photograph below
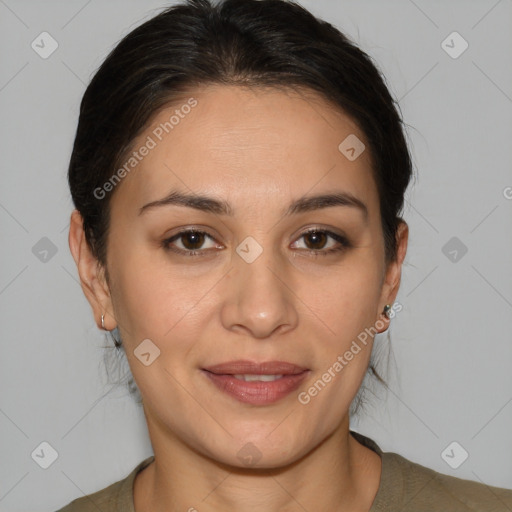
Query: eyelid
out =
(341, 240)
(194, 228)
(320, 229)
(166, 243)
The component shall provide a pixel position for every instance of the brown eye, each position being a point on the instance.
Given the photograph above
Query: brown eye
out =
(192, 240)
(322, 242)
(315, 240)
(189, 243)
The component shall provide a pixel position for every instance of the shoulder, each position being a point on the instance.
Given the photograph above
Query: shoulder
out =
(104, 500)
(116, 497)
(407, 485)
(419, 488)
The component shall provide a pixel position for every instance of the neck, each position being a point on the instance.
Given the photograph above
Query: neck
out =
(338, 475)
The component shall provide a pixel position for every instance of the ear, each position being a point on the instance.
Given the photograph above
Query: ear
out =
(92, 276)
(391, 282)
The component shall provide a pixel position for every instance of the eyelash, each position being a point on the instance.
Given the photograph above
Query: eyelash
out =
(344, 243)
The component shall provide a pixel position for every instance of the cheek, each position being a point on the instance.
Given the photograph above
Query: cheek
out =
(347, 303)
(154, 296)
(348, 297)
(154, 303)
(163, 302)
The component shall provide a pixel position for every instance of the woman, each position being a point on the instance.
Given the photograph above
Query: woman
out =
(238, 174)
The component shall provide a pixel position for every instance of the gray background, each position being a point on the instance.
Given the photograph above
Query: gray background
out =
(452, 341)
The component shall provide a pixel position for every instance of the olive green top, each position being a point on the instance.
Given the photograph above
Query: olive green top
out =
(404, 487)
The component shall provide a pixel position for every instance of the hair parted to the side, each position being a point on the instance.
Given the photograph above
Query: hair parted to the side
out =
(253, 43)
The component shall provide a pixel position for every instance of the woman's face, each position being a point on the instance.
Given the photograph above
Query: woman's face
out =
(258, 288)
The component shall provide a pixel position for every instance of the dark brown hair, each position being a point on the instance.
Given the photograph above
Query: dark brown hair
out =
(255, 43)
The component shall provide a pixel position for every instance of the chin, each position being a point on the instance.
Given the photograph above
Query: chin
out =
(262, 452)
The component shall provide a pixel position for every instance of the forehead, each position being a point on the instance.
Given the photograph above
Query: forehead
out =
(248, 144)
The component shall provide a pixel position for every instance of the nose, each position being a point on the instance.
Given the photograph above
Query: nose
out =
(259, 298)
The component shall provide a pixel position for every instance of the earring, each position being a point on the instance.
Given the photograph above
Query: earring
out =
(117, 341)
(387, 311)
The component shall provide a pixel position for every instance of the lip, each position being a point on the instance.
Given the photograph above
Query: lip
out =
(256, 392)
(243, 366)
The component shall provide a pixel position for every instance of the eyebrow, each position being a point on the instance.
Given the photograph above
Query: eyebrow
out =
(221, 207)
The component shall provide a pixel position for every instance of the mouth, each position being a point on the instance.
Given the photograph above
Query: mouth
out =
(256, 383)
